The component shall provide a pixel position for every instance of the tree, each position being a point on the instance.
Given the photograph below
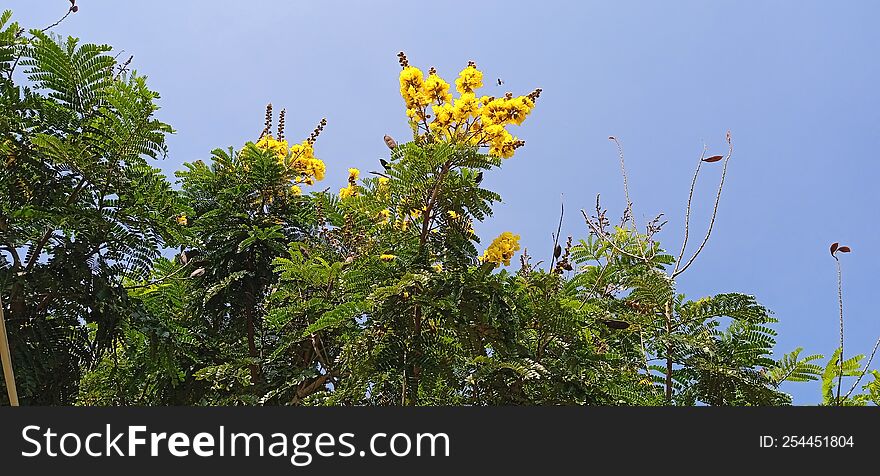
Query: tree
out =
(82, 210)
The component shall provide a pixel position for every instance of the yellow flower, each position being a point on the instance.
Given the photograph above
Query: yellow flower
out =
(279, 147)
(452, 214)
(465, 107)
(416, 213)
(469, 79)
(496, 111)
(349, 191)
(519, 108)
(387, 257)
(385, 216)
(182, 220)
(411, 83)
(442, 116)
(435, 89)
(353, 175)
(295, 190)
(438, 267)
(502, 249)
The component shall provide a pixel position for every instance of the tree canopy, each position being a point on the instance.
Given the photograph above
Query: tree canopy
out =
(244, 283)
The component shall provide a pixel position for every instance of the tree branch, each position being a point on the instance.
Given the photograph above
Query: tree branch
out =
(687, 213)
(714, 210)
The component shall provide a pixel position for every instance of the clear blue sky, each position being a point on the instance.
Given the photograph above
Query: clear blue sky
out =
(794, 81)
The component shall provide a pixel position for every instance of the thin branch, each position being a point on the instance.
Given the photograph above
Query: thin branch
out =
(625, 181)
(840, 308)
(159, 280)
(37, 249)
(864, 370)
(687, 213)
(556, 236)
(16, 259)
(603, 236)
(69, 11)
(714, 209)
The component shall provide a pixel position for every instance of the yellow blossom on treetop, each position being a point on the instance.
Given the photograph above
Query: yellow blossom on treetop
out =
(279, 147)
(435, 89)
(387, 257)
(353, 175)
(465, 107)
(502, 249)
(452, 214)
(411, 83)
(438, 267)
(466, 120)
(349, 191)
(443, 116)
(469, 79)
(295, 190)
(182, 220)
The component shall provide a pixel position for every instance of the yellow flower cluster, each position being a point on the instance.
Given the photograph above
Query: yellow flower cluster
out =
(502, 249)
(182, 220)
(352, 189)
(298, 159)
(384, 216)
(468, 119)
(348, 191)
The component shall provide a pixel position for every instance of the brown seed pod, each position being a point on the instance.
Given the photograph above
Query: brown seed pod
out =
(614, 324)
(390, 142)
(714, 158)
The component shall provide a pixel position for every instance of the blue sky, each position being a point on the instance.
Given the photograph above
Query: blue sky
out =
(794, 82)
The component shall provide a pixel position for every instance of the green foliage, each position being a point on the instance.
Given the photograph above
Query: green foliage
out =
(82, 210)
(237, 289)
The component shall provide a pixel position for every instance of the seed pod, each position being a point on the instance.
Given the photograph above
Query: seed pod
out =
(614, 324)
(390, 142)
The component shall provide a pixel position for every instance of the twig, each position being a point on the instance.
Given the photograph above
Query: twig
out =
(714, 210)
(159, 280)
(687, 213)
(603, 236)
(69, 11)
(840, 307)
(864, 370)
(625, 181)
(556, 236)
